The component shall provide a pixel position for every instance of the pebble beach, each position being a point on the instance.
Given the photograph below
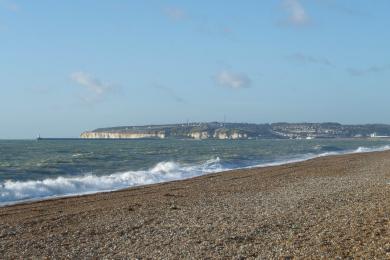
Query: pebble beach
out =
(328, 207)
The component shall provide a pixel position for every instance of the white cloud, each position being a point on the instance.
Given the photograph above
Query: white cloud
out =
(96, 90)
(175, 13)
(296, 11)
(232, 80)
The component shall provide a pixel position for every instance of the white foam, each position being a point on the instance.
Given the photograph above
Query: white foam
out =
(15, 191)
(12, 192)
(310, 156)
(362, 149)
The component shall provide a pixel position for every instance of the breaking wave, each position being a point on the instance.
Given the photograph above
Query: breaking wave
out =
(309, 156)
(362, 149)
(12, 192)
(15, 191)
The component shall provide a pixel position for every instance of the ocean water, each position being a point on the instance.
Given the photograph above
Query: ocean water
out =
(34, 170)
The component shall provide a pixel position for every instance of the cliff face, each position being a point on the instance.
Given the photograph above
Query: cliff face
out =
(199, 135)
(113, 135)
(216, 130)
(229, 134)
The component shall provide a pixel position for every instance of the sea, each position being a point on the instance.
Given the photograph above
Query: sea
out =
(33, 170)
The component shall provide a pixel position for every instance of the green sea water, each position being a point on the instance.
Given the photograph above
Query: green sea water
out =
(31, 169)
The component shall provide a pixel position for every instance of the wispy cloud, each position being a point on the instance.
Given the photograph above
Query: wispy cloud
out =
(171, 93)
(369, 70)
(339, 6)
(95, 89)
(199, 23)
(307, 59)
(297, 15)
(175, 13)
(232, 80)
(9, 5)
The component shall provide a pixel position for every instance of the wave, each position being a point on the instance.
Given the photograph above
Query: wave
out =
(309, 156)
(17, 191)
(12, 192)
(362, 149)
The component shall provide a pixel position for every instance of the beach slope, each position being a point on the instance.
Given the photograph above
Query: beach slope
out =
(337, 206)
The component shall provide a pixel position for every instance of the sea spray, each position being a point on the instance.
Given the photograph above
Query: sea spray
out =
(14, 191)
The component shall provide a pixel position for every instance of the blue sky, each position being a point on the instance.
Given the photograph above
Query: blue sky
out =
(70, 66)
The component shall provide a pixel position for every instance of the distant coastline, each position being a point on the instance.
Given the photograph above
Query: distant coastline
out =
(226, 131)
(58, 138)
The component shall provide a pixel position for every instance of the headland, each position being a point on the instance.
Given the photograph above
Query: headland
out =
(219, 130)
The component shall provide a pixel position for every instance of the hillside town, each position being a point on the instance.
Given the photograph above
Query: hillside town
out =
(219, 130)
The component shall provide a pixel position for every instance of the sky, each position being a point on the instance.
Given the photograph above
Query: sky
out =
(71, 66)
